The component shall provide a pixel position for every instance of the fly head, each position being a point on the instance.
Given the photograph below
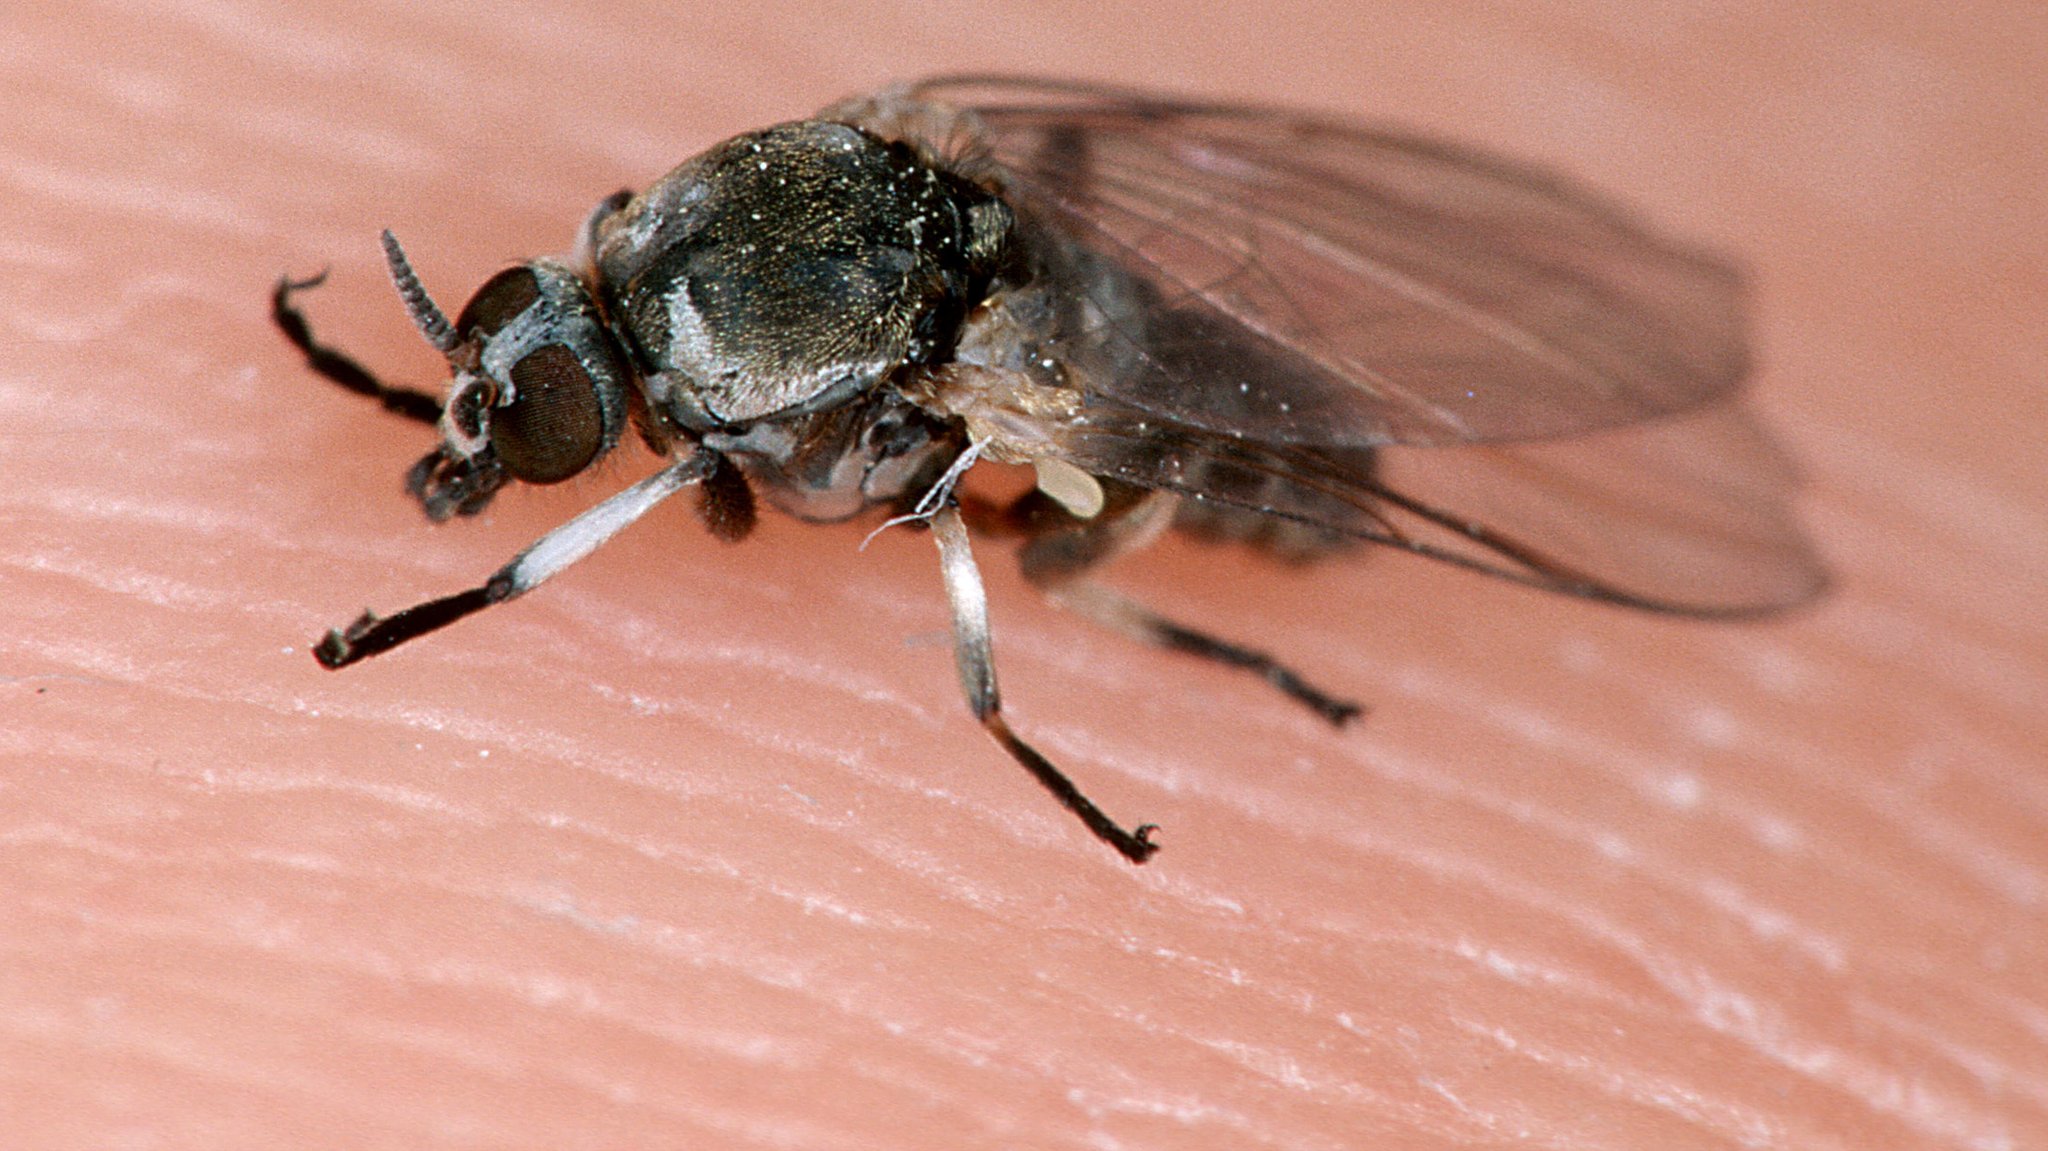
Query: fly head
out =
(539, 388)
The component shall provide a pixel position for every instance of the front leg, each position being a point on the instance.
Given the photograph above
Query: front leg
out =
(372, 634)
(339, 366)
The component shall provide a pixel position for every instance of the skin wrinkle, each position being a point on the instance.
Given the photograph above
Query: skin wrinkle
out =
(1860, 1080)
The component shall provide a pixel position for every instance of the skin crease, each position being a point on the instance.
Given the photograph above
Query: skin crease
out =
(698, 847)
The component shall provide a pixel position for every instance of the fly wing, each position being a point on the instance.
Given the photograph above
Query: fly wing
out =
(1689, 515)
(1390, 338)
(1392, 289)
(1693, 512)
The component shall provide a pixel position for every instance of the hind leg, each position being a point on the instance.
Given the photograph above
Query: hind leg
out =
(1064, 550)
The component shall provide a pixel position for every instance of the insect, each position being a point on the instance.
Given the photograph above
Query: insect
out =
(1249, 323)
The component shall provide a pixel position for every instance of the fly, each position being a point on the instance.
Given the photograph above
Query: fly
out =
(1252, 324)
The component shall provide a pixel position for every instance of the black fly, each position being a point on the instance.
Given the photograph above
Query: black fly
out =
(1244, 322)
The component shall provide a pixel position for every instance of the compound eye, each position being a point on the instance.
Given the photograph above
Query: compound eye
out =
(499, 302)
(554, 425)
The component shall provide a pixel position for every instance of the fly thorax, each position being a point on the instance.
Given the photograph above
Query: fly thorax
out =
(790, 270)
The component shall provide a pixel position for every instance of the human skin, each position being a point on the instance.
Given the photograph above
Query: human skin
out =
(697, 846)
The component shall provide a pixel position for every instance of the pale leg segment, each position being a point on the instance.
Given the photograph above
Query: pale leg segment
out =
(550, 554)
(974, 656)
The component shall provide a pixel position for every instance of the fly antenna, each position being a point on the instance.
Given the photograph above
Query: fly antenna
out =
(425, 315)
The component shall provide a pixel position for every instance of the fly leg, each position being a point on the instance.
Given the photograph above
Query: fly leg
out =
(371, 634)
(339, 366)
(975, 658)
(1065, 548)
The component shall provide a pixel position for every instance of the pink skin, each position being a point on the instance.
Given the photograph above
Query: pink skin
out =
(697, 846)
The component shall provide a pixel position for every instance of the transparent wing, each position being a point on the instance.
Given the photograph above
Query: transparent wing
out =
(1689, 515)
(1390, 289)
(1390, 338)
